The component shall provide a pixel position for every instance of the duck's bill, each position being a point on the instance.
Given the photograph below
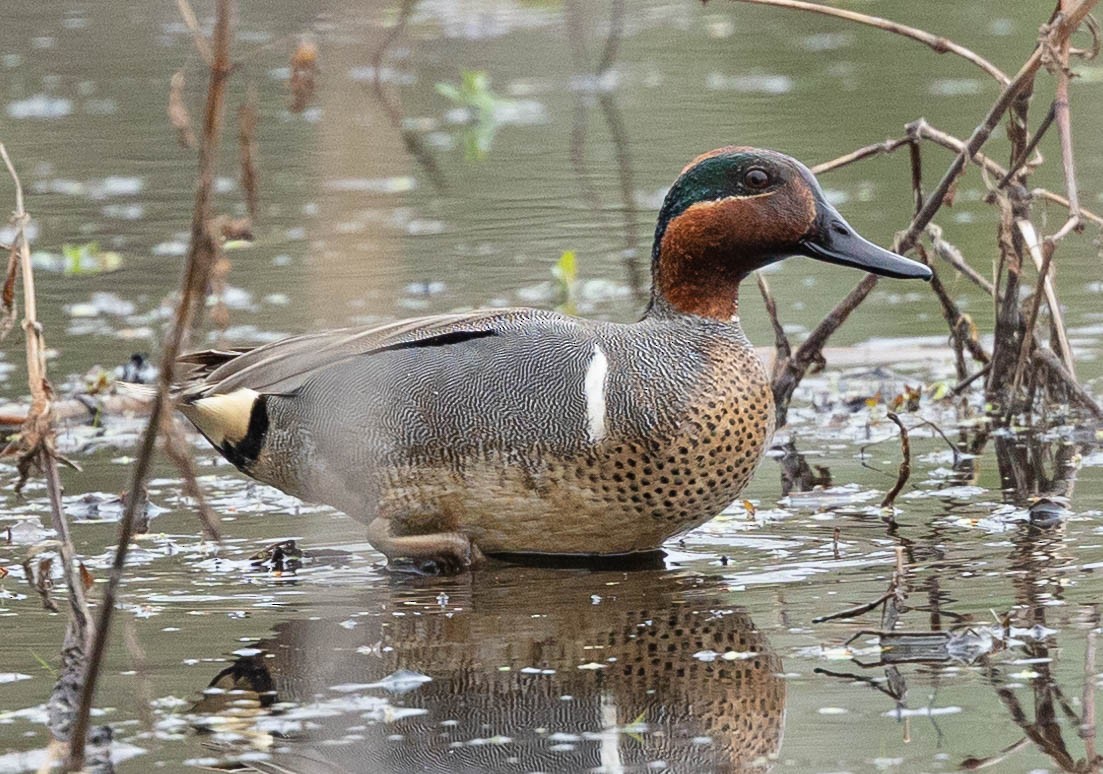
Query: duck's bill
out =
(833, 240)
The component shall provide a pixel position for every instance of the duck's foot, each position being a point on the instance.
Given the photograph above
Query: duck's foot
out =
(441, 553)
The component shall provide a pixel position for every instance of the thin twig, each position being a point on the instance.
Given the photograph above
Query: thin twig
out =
(200, 256)
(865, 152)
(176, 448)
(905, 470)
(939, 44)
(781, 341)
(857, 610)
(949, 253)
(42, 397)
(948, 141)
(961, 327)
(201, 43)
(1039, 133)
(953, 446)
(1027, 344)
(37, 447)
(964, 384)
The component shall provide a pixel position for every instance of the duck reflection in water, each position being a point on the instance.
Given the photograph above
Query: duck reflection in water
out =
(544, 670)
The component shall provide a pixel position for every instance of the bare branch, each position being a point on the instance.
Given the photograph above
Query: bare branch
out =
(875, 149)
(937, 43)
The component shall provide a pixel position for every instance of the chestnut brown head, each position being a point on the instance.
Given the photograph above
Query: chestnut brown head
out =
(734, 210)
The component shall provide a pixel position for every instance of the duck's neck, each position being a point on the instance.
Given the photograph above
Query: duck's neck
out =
(694, 278)
(701, 294)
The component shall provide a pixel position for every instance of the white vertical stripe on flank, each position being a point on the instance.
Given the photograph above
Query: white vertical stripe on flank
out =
(594, 386)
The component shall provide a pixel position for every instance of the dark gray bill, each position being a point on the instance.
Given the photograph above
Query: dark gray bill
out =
(833, 240)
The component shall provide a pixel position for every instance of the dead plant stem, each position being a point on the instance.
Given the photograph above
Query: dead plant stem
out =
(42, 401)
(1063, 121)
(200, 256)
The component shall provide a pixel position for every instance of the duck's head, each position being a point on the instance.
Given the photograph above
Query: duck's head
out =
(734, 210)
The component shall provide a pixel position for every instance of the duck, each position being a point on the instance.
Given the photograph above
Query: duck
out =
(527, 432)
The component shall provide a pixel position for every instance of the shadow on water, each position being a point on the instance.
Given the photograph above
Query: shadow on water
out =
(530, 669)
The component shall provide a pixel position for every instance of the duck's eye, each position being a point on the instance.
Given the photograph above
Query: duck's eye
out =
(756, 177)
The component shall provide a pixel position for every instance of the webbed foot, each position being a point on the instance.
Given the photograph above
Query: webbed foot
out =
(441, 553)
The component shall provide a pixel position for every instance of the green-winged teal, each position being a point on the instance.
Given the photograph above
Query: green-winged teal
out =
(528, 431)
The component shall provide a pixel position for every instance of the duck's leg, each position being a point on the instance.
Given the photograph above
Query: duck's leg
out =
(438, 553)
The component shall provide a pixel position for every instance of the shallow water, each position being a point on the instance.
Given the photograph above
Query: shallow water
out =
(709, 661)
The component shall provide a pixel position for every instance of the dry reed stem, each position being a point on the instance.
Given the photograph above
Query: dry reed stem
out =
(1062, 119)
(36, 446)
(1038, 253)
(865, 152)
(201, 253)
(1018, 164)
(938, 43)
(857, 610)
(962, 331)
(39, 417)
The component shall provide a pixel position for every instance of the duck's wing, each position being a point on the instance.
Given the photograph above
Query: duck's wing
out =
(282, 366)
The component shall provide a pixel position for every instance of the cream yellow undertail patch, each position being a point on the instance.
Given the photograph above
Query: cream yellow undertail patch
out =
(223, 418)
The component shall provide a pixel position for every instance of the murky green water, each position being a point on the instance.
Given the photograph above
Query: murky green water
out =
(710, 662)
